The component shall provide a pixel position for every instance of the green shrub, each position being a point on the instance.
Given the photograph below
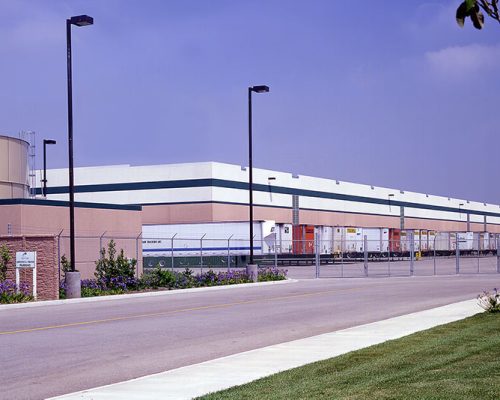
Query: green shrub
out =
(4, 260)
(271, 274)
(111, 266)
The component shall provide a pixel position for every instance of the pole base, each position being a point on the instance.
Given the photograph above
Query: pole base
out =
(73, 285)
(252, 272)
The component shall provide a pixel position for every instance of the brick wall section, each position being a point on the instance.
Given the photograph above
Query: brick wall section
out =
(46, 262)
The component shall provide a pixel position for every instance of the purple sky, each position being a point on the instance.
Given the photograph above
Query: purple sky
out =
(389, 93)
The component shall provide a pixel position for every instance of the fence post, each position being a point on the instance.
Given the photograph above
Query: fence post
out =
(100, 242)
(478, 249)
(317, 257)
(457, 254)
(412, 252)
(172, 250)
(201, 253)
(434, 247)
(342, 254)
(275, 250)
(498, 252)
(388, 252)
(137, 254)
(365, 249)
(59, 256)
(229, 253)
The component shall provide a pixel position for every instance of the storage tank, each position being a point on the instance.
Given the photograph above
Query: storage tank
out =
(14, 182)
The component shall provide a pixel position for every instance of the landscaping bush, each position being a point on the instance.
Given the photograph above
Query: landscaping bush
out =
(113, 270)
(490, 301)
(4, 260)
(8, 290)
(158, 278)
(9, 295)
(93, 287)
(271, 274)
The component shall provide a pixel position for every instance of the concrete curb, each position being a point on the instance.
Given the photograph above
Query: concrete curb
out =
(211, 376)
(5, 307)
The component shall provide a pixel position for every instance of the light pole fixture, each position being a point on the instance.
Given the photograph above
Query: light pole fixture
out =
(459, 211)
(251, 89)
(44, 180)
(79, 20)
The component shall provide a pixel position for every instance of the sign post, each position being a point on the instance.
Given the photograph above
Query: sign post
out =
(26, 260)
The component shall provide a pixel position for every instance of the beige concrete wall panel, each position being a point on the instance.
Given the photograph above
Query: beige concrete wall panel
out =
(279, 215)
(177, 213)
(310, 217)
(437, 225)
(10, 214)
(88, 221)
(476, 227)
(124, 226)
(232, 213)
(236, 212)
(493, 228)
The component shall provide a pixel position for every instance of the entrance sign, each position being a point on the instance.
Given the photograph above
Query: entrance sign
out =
(26, 260)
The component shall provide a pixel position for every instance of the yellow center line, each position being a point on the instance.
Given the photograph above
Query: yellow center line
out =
(182, 310)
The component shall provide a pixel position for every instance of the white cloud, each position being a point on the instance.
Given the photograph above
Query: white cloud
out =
(458, 62)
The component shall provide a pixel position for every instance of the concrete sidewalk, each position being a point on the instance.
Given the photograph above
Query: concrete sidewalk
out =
(222, 373)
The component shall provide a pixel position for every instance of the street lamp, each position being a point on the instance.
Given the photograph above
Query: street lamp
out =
(73, 285)
(44, 180)
(251, 267)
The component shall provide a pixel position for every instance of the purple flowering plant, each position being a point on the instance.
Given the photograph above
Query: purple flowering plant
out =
(9, 294)
(272, 274)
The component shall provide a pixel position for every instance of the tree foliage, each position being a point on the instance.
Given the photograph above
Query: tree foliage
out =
(4, 260)
(472, 9)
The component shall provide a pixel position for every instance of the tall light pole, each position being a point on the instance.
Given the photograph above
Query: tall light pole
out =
(73, 285)
(44, 180)
(251, 267)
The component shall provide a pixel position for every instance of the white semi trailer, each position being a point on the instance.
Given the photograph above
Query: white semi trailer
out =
(210, 239)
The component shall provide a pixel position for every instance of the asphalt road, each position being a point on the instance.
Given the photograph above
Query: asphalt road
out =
(52, 350)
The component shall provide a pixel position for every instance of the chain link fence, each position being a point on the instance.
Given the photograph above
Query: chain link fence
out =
(435, 253)
(88, 251)
(438, 253)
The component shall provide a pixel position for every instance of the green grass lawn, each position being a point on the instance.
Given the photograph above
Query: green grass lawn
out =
(460, 360)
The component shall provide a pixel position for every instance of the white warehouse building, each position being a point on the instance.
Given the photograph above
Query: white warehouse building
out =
(207, 192)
